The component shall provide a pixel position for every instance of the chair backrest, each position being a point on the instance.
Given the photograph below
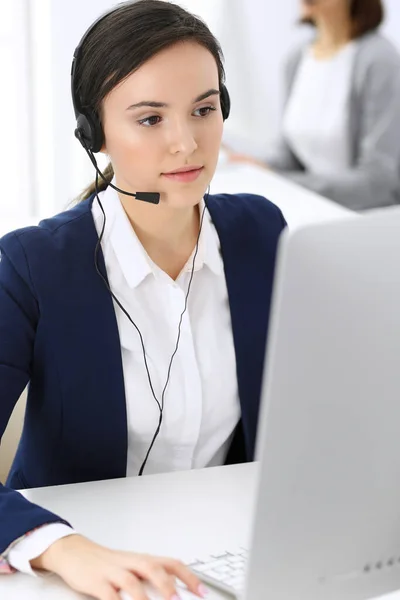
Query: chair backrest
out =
(11, 437)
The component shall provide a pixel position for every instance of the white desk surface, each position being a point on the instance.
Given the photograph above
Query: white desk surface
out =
(299, 205)
(184, 514)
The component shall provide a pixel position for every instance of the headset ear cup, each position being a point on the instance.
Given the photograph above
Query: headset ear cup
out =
(90, 130)
(84, 131)
(98, 135)
(225, 101)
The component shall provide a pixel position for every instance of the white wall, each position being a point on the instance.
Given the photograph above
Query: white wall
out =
(392, 24)
(256, 37)
(62, 163)
(16, 134)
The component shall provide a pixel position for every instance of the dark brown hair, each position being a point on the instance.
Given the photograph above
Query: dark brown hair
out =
(127, 38)
(366, 15)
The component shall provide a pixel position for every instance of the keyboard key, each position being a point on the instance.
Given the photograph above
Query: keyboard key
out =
(206, 566)
(224, 570)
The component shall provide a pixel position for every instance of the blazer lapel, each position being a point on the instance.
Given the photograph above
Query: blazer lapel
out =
(249, 256)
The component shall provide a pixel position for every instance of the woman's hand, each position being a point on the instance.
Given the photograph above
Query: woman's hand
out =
(100, 572)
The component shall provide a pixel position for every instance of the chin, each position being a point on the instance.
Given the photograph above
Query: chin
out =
(185, 195)
(183, 198)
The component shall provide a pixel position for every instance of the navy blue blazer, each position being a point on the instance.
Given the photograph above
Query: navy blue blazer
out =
(58, 332)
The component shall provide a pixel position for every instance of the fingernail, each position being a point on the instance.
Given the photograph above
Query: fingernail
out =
(203, 591)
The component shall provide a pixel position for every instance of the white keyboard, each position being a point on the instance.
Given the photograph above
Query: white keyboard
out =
(225, 571)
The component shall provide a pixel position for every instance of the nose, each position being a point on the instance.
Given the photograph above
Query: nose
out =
(181, 138)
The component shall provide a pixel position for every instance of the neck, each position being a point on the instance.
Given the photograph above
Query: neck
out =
(168, 235)
(334, 31)
(155, 223)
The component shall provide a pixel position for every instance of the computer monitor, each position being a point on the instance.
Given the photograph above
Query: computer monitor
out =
(327, 515)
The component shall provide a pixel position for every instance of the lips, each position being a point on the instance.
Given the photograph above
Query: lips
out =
(184, 169)
(184, 174)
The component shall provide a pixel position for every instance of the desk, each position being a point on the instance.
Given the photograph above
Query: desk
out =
(184, 514)
(299, 205)
(177, 514)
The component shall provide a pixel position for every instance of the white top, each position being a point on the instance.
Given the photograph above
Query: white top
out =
(201, 403)
(316, 120)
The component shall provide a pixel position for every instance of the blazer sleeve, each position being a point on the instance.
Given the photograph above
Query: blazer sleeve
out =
(19, 315)
(374, 180)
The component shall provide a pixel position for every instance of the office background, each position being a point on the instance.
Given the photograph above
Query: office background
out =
(42, 165)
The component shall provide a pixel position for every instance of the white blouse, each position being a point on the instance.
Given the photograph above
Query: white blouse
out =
(316, 120)
(201, 402)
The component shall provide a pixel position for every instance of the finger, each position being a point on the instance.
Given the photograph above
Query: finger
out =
(181, 571)
(129, 583)
(105, 592)
(152, 571)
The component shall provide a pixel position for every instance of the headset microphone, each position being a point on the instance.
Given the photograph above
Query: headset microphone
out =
(152, 197)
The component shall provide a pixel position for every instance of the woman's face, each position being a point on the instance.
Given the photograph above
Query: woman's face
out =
(181, 128)
(316, 8)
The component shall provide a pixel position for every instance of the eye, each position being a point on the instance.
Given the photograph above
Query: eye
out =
(150, 121)
(205, 110)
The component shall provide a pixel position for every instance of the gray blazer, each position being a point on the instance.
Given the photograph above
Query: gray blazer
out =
(374, 177)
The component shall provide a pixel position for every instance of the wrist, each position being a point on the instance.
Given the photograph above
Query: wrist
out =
(50, 557)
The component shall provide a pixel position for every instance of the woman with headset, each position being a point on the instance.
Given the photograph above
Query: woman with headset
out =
(339, 132)
(139, 317)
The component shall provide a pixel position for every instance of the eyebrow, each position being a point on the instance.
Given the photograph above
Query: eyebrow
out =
(152, 104)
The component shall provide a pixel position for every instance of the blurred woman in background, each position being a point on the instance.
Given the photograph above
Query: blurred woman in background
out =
(340, 132)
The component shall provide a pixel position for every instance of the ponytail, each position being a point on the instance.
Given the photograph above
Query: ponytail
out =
(91, 189)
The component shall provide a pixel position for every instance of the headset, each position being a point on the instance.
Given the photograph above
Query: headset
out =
(89, 132)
